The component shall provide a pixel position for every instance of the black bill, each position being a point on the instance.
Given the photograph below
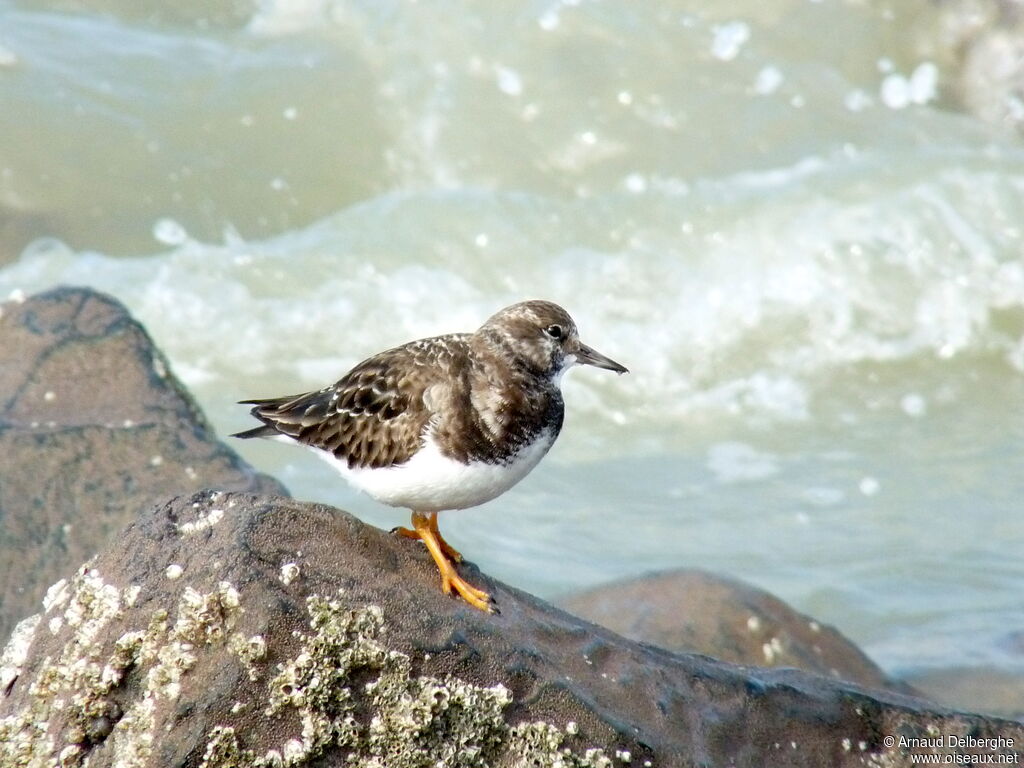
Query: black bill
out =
(588, 356)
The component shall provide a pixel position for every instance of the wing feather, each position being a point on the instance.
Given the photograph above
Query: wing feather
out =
(375, 415)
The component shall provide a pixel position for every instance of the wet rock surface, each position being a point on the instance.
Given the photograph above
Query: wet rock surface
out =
(699, 612)
(93, 428)
(233, 629)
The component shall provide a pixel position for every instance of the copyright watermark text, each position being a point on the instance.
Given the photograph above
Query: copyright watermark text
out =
(935, 750)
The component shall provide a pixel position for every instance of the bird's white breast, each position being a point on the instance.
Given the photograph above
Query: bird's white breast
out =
(431, 482)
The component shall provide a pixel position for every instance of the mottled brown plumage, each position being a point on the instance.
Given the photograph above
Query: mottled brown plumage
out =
(486, 394)
(443, 423)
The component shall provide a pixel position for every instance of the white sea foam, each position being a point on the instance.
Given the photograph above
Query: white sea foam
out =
(791, 278)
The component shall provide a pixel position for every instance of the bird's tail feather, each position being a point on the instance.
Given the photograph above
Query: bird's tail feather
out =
(261, 431)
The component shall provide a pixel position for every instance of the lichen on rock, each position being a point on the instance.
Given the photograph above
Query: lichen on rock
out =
(223, 750)
(71, 706)
(15, 652)
(74, 684)
(346, 689)
(414, 721)
(343, 688)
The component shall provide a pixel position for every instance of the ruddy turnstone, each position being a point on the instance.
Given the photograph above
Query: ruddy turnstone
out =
(448, 422)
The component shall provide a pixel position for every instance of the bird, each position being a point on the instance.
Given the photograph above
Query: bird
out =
(442, 423)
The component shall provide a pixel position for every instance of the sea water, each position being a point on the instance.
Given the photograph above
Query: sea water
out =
(808, 257)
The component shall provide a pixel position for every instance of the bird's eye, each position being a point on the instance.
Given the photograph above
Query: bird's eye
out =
(554, 331)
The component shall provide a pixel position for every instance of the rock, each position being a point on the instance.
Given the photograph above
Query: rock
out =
(990, 691)
(229, 629)
(697, 611)
(980, 44)
(93, 428)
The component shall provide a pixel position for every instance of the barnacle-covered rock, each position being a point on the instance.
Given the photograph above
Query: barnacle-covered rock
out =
(357, 659)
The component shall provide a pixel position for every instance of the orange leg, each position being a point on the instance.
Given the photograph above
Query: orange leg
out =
(425, 529)
(449, 551)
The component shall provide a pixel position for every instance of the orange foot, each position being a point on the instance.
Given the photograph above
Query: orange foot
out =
(449, 551)
(425, 529)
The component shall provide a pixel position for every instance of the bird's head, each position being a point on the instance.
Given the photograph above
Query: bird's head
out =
(542, 337)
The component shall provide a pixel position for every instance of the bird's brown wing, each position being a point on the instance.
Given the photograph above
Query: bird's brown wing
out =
(373, 417)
